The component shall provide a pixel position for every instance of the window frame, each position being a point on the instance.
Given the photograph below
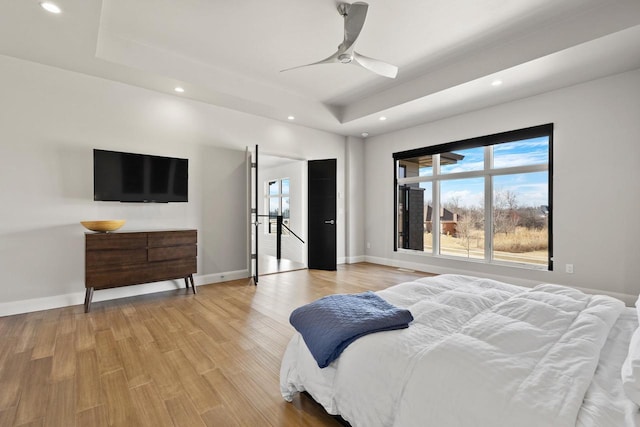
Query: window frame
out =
(280, 195)
(486, 141)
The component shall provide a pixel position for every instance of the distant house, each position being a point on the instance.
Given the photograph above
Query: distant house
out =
(448, 221)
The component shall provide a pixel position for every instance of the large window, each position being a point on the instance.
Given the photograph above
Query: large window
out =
(486, 199)
(277, 194)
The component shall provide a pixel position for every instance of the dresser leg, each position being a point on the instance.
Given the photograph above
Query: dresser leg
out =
(193, 286)
(88, 295)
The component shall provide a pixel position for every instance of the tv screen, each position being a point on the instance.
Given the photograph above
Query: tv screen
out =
(130, 177)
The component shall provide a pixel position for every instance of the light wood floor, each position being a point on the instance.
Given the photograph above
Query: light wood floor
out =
(169, 359)
(270, 265)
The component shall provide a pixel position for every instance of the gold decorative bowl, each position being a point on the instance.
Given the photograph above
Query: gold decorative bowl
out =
(103, 226)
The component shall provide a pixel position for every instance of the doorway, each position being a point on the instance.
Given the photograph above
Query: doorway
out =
(282, 189)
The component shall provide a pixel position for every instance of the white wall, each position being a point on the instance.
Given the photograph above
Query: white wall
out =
(224, 203)
(355, 213)
(292, 248)
(51, 119)
(596, 183)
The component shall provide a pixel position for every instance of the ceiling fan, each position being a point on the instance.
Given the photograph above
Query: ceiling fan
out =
(354, 16)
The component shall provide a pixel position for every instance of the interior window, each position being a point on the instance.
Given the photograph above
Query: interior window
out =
(277, 194)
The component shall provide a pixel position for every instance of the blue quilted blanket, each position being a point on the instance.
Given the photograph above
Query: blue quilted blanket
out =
(330, 324)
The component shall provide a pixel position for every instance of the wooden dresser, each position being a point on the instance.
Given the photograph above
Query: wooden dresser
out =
(122, 259)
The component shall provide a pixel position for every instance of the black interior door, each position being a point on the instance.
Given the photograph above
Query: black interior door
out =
(322, 214)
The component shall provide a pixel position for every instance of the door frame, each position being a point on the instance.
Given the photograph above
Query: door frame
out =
(252, 214)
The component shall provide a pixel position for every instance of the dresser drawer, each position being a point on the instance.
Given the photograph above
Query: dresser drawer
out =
(172, 238)
(168, 270)
(115, 241)
(110, 276)
(134, 274)
(172, 252)
(97, 258)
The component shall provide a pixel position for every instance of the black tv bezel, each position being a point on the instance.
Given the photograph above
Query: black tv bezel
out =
(142, 196)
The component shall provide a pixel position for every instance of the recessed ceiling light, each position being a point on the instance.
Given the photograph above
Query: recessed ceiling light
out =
(179, 89)
(364, 134)
(291, 118)
(496, 83)
(50, 7)
(382, 118)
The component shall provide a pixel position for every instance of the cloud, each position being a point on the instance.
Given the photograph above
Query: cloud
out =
(465, 198)
(463, 167)
(528, 194)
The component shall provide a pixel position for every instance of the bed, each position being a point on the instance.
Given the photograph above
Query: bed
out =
(484, 353)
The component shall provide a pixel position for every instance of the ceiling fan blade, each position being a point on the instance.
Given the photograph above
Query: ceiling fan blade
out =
(377, 66)
(354, 16)
(330, 60)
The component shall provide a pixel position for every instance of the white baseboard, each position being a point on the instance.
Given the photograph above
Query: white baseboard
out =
(77, 298)
(628, 299)
(220, 277)
(355, 259)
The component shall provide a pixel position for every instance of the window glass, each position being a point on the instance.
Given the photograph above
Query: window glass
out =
(285, 186)
(401, 205)
(471, 159)
(428, 220)
(462, 217)
(520, 218)
(416, 166)
(274, 188)
(285, 207)
(526, 152)
(412, 216)
(274, 206)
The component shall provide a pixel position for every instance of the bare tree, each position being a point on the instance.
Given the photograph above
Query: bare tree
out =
(505, 212)
(467, 226)
(532, 218)
(453, 204)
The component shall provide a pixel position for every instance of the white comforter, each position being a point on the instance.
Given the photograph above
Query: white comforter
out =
(479, 352)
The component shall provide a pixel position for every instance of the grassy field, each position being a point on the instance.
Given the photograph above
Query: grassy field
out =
(523, 240)
(524, 245)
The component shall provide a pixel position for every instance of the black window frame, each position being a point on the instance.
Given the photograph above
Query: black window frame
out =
(482, 141)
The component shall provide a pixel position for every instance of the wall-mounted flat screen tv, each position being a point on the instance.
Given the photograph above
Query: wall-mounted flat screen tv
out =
(130, 177)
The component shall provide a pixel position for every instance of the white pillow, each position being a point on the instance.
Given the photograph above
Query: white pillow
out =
(631, 369)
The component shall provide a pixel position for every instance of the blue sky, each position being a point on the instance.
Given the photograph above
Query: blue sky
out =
(530, 188)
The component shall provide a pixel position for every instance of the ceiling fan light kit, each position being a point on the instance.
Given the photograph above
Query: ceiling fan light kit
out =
(354, 15)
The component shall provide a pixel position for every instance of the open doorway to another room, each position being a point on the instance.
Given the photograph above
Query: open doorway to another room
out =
(283, 186)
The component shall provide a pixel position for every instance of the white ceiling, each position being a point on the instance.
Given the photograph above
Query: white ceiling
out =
(230, 53)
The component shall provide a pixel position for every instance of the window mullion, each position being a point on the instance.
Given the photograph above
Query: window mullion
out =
(435, 209)
(488, 203)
